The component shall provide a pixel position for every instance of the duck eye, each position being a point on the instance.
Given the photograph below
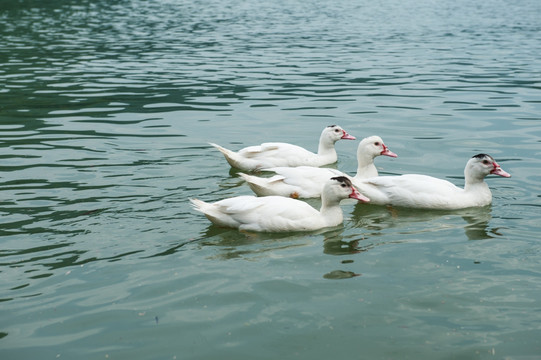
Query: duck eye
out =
(376, 143)
(343, 185)
(486, 162)
(336, 130)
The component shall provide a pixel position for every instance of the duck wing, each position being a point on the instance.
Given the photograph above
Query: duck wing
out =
(304, 181)
(271, 213)
(411, 190)
(277, 154)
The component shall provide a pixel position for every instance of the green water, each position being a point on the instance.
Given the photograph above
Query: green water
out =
(105, 114)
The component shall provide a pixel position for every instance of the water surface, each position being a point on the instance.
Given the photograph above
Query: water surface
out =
(107, 108)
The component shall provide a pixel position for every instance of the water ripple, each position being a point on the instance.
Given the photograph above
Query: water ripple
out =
(107, 109)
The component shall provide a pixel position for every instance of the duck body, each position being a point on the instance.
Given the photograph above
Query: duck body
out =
(272, 154)
(422, 191)
(308, 181)
(269, 214)
(277, 213)
(296, 182)
(427, 192)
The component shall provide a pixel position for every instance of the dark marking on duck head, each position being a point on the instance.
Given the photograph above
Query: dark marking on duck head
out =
(342, 179)
(482, 156)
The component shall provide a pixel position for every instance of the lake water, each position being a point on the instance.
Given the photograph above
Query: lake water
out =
(105, 114)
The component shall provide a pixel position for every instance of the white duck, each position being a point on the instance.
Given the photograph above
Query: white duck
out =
(421, 191)
(273, 154)
(278, 213)
(308, 181)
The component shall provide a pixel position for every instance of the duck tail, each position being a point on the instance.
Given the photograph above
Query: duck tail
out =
(229, 155)
(263, 186)
(257, 184)
(198, 205)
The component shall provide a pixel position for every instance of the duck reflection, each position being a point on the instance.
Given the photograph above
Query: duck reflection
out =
(378, 218)
(335, 243)
(366, 228)
(234, 244)
(237, 244)
(478, 220)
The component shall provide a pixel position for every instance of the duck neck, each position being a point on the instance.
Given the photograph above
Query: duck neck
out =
(478, 186)
(331, 211)
(475, 183)
(365, 166)
(326, 147)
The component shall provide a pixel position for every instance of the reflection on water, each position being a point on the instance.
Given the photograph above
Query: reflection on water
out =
(356, 241)
(107, 108)
(368, 227)
(232, 244)
(377, 219)
(340, 274)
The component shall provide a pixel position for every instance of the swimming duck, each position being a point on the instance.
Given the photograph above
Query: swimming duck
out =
(278, 213)
(421, 191)
(273, 154)
(308, 181)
